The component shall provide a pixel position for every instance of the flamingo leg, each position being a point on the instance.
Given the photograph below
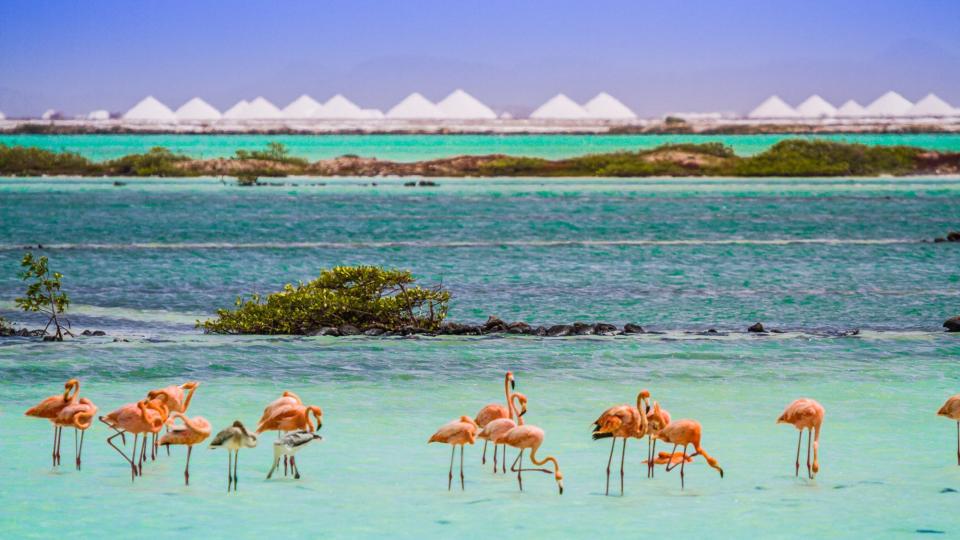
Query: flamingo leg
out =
(186, 470)
(958, 443)
(809, 470)
(53, 453)
(519, 469)
(294, 468)
(58, 433)
(495, 453)
(670, 464)
(450, 476)
(462, 488)
(649, 456)
(609, 461)
(80, 452)
(133, 456)
(683, 461)
(503, 457)
(483, 459)
(623, 456)
(143, 453)
(796, 471)
(76, 446)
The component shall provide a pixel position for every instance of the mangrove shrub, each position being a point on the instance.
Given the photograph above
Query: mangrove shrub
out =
(362, 296)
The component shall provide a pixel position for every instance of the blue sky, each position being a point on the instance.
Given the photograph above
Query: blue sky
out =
(657, 56)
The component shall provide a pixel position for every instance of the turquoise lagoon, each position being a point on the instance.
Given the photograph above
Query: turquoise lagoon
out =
(419, 147)
(814, 257)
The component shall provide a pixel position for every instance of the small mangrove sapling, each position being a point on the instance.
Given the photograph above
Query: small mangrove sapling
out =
(44, 294)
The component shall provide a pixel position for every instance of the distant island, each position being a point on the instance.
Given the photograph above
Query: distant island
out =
(789, 158)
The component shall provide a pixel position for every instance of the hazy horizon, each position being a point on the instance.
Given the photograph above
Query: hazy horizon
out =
(694, 56)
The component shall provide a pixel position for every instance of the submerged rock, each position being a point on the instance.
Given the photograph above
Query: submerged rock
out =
(494, 325)
(582, 329)
(952, 324)
(559, 330)
(349, 330)
(631, 328)
(953, 236)
(757, 327)
(519, 327)
(374, 332)
(604, 329)
(93, 333)
(325, 331)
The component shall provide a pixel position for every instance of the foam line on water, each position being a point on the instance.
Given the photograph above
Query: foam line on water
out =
(461, 244)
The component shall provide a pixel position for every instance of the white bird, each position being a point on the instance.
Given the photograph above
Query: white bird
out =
(233, 439)
(290, 444)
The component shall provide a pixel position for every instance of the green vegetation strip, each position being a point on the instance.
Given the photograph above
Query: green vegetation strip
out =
(786, 158)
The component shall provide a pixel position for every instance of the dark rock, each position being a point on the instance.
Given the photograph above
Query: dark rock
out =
(98, 333)
(374, 332)
(120, 340)
(582, 329)
(349, 330)
(952, 324)
(777, 331)
(326, 331)
(953, 236)
(426, 183)
(494, 325)
(854, 332)
(559, 330)
(86, 333)
(52, 338)
(631, 328)
(712, 331)
(604, 329)
(412, 330)
(757, 327)
(119, 184)
(409, 184)
(34, 333)
(939, 240)
(23, 332)
(539, 331)
(519, 327)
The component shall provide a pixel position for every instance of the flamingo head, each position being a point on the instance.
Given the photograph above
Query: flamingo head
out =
(510, 379)
(70, 385)
(189, 385)
(558, 476)
(317, 414)
(656, 418)
(523, 403)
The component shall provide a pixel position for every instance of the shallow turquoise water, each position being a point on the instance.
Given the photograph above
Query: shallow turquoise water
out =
(419, 147)
(813, 257)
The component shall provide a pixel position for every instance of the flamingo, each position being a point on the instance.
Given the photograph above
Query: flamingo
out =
(50, 407)
(529, 436)
(657, 419)
(951, 409)
(621, 421)
(233, 439)
(288, 413)
(805, 413)
(685, 432)
(79, 416)
(144, 416)
(456, 433)
(290, 444)
(193, 431)
(666, 458)
(495, 411)
(173, 396)
(496, 429)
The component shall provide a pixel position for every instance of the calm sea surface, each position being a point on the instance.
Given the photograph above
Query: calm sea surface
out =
(811, 256)
(419, 147)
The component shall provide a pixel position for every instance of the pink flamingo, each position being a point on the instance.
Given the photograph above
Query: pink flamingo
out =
(951, 409)
(50, 408)
(657, 419)
(144, 416)
(624, 422)
(523, 437)
(495, 411)
(193, 431)
(79, 416)
(173, 397)
(456, 433)
(288, 413)
(686, 433)
(805, 413)
(494, 430)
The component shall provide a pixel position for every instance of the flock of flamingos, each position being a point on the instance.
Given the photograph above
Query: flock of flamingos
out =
(501, 425)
